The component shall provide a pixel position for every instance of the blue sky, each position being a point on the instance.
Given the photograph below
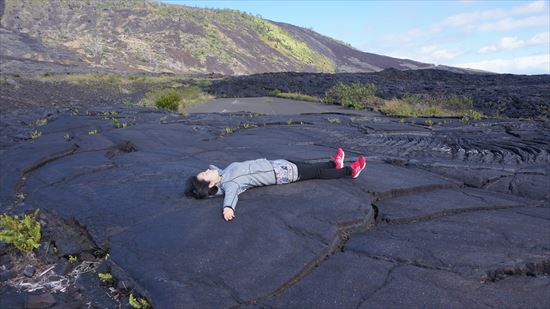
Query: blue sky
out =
(498, 36)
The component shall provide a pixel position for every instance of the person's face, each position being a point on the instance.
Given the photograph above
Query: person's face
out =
(209, 175)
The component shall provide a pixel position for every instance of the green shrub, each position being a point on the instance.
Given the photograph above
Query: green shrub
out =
(140, 303)
(73, 259)
(169, 101)
(168, 97)
(24, 233)
(105, 277)
(355, 95)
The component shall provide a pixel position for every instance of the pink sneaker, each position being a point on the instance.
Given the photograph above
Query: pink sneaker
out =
(339, 158)
(358, 166)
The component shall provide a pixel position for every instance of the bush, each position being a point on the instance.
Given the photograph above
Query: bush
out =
(355, 95)
(430, 106)
(175, 98)
(24, 233)
(169, 101)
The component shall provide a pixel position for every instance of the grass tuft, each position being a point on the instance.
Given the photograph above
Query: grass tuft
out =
(295, 96)
(431, 106)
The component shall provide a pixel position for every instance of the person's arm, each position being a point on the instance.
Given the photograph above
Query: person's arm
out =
(231, 190)
(213, 167)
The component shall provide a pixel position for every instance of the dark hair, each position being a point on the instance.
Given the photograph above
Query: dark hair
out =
(199, 188)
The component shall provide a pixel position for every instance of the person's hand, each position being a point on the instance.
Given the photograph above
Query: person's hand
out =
(228, 213)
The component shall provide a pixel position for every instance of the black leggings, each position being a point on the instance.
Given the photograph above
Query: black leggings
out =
(322, 170)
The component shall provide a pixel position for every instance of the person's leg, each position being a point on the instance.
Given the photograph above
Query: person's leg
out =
(322, 170)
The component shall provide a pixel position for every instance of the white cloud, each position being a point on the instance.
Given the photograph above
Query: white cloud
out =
(531, 64)
(428, 54)
(407, 37)
(506, 43)
(512, 23)
(433, 53)
(467, 19)
(541, 38)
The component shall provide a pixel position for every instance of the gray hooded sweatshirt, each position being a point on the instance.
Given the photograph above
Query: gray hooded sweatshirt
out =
(237, 177)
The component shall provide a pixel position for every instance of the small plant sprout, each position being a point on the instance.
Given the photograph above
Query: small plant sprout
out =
(140, 303)
(117, 124)
(333, 120)
(289, 121)
(246, 125)
(42, 122)
(228, 130)
(35, 134)
(465, 119)
(105, 277)
(92, 132)
(429, 122)
(402, 120)
(73, 259)
(23, 233)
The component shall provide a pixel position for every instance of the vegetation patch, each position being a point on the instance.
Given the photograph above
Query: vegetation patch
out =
(176, 99)
(22, 233)
(355, 95)
(431, 106)
(295, 96)
(277, 38)
(36, 134)
(105, 277)
(42, 122)
(138, 303)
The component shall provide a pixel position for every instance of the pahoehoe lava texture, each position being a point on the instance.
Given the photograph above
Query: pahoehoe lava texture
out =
(462, 209)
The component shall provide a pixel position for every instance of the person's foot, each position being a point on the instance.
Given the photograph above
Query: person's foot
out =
(339, 158)
(358, 166)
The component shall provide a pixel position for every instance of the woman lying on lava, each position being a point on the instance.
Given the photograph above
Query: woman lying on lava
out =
(240, 176)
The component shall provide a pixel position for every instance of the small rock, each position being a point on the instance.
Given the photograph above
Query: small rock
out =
(63, 266)
(124, 286)
(29, 271)
(7, 275)
(85, 256)
(40, 301)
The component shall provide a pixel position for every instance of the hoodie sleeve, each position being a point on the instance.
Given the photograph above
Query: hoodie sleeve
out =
(231, 198)
(213, 167)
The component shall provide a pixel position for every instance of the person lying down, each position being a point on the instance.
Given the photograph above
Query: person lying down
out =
(238, 177)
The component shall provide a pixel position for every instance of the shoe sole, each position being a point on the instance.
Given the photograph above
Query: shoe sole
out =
(359, 173)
